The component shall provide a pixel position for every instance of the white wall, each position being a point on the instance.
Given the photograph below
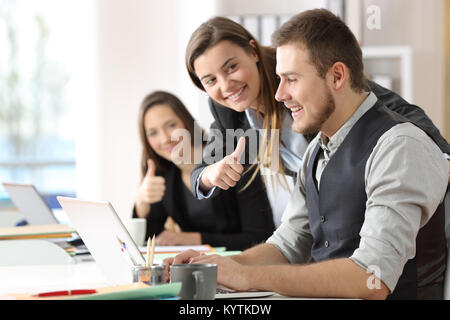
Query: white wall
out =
(130, 63)
(189, 19)
(87, 111)
(139, 48)
(282, 7)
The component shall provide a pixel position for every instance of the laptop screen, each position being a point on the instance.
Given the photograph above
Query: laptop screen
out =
(30, 203)
(105, 236)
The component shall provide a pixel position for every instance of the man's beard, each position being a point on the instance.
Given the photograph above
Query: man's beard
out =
(315, 125)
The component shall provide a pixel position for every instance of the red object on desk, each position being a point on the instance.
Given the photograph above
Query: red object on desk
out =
(66, 293)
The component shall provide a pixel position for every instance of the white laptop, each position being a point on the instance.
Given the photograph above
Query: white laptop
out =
(105, 236)
(100, 228)
(30, 203)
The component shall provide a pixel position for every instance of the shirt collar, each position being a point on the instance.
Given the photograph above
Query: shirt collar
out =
(336, 140)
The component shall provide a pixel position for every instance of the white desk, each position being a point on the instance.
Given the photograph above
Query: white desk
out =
(41, 278)
(81, 275)
(84, 274)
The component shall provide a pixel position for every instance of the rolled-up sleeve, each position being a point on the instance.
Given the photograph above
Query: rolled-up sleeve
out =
(406, 179)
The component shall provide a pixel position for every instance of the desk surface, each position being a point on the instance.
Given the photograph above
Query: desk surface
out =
(41, 278)
(84, 274)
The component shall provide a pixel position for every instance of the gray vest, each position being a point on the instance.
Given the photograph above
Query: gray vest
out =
(336, 214)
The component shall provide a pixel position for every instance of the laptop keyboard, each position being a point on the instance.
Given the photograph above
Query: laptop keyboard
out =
(220, 290)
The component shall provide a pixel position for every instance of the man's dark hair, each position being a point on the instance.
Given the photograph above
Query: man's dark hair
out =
(327, 39)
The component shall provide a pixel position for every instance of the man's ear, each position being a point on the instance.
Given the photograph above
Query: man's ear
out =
(338, 75)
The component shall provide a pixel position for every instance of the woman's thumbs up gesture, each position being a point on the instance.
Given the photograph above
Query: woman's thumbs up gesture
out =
(153, 187)
(225, 173)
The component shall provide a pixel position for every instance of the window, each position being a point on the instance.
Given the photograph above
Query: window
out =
(38, 41)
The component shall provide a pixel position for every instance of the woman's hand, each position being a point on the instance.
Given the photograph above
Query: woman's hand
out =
(225, 173)
(151, 190)
(171, 238)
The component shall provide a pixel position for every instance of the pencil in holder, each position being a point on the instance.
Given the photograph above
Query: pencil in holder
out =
(152, 275)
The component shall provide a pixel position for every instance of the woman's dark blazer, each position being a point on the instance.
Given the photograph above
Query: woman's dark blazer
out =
(240, 219)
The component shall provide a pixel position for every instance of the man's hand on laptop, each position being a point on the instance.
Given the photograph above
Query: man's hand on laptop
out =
(182, 258)
(229, 272)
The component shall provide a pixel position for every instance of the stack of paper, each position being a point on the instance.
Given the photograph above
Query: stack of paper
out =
(37, 232)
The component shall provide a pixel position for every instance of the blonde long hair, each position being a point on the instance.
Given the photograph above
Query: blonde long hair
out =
(218, 29)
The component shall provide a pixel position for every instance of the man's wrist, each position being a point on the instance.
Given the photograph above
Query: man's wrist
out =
(248, 273)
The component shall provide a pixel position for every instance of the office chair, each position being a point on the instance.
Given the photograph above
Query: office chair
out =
(32, 252)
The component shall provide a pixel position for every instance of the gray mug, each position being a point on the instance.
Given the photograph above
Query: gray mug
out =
(199, 281)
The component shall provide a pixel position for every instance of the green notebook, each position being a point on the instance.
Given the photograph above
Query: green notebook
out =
(161, 256)
(162, 291)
